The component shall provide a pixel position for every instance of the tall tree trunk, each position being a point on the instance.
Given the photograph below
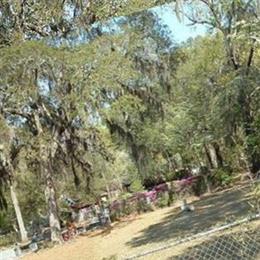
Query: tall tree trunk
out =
(255, 162)
(170, 161)
(214, 156)
(248, 173)
(207, 183)
(6, 164)
(46, 173)
(219, 158)
(208, 155)
(50, 195)
(54, 221)
(23, 233)
(206, 172)
(212, 153)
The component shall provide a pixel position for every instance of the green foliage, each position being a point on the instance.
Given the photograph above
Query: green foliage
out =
(5, 223)
(142, 206)
(136, 184)
(199, 187)
(163, 200)
(21, 21)
(126, 106)
(30, 196)
(128, 208)
(222, 177)
(7, 240)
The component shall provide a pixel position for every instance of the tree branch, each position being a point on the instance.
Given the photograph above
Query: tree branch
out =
(250, 58)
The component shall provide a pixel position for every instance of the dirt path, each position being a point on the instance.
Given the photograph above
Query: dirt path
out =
(152, 229)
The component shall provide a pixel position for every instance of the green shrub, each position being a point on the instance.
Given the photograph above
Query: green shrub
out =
(143, 206)
(125, 195)
(222, 177)
(171, 197)
(115, 216)
(136, 185)
(5, 223)
(124, 209)
(128, 208)
(163, 200)
(199, 187)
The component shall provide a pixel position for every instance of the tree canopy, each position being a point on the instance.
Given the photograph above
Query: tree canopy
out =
(128, 104)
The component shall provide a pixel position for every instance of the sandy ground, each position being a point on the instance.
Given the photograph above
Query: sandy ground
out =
(148, 231)
(207, 241)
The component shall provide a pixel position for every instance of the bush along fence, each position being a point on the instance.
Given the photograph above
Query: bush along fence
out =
(239, 240)
(160, 196)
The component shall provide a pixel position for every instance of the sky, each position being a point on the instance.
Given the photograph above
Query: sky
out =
(180, 30)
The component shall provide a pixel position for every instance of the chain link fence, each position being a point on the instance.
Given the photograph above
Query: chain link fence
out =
(239, 240)
(235, 246)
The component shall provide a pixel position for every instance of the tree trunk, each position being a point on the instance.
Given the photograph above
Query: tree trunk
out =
(54, 221)
(207, 183)
(212, 153)
(208, 155)
(50, 196)
(243, 162)
(255, 163)
(253, 156)
(23, 233)
(170, 161)
(219, 158)
(46, 173)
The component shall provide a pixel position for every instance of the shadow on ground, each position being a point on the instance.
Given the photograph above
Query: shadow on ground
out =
(209, 212)
(107, 230)
(238, 245)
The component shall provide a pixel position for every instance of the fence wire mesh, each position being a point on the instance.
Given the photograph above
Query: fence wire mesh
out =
(239, 240)
(235, 246)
